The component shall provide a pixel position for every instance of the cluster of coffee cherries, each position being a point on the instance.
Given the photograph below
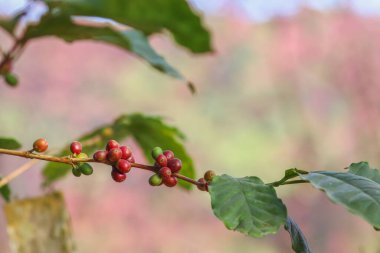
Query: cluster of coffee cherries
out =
(166, 165)
(81, 168)
(120, 157)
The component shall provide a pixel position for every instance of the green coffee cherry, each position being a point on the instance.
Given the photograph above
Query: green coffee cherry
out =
(81, 156)
(155, 180)
(76, 172)
(86, 169)
(11, 79)
(156, 152)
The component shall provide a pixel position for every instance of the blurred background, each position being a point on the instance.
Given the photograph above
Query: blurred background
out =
(292, 84)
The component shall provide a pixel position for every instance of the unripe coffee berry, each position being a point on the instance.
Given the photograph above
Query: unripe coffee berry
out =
(114, 155)
(123, 166)
(125, 152)
(169, 154)
(117, 176)
(175, 165)
(170, 181)
(155, 180)
(76, 147)
(203, 186)
(76, 172)
(162, 160)
(165, 172)
(86, 169)
(81, 156)
(209, 175)
(156, 152)
(40, 145)
(112, 144)
(107, 132)
(11, 79)
(100, 156)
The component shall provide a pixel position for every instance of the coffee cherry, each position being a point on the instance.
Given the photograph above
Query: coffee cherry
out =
(175, 165)
(156, 152)
(169, 154)
(155, 180)
(170, 181)
(81, 156)
(162, 160)
(40, 145)
(131, 159)
(204, 186)
(114, 155)
(209, 175)
(86, 169)
(100, 156)
(76, 147)
(117, 176)
(125, 152)
(11, 79)
(123, 166)
(112, 144)
(76, 172)
(165, 172)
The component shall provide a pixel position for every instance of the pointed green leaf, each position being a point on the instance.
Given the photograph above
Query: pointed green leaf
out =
(5, 192)
(150, 132)
(363, 169)
(9, 143)
(299, 242)
(247, 205)
(148, 16)
(358, 194)
(134, 41)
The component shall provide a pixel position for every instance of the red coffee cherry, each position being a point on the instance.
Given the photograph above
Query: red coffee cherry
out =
(203, 186)
(123, 166)
(114, 155)
(112, 144)
(175, 165)
(165, 172)
(131, 159)
(117, 176)
(169, 154)
(76, 147)
(162, 160)
(100, 156)
(126, 152)
(170, 181)
(40, 145)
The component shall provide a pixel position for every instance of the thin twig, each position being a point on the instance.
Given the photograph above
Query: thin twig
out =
(17, 172)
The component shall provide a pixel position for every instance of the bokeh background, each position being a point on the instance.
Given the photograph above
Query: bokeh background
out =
(291, 84)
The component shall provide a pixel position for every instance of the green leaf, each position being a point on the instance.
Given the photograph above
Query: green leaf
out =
(148, 16)
(5, 192)
(150, 132)
(61, 26)
(9, 143)
(358, 194)
(363, 169)
(247, 205)
(299, 242)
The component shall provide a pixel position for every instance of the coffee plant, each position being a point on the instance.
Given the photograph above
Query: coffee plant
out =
(247, 205)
